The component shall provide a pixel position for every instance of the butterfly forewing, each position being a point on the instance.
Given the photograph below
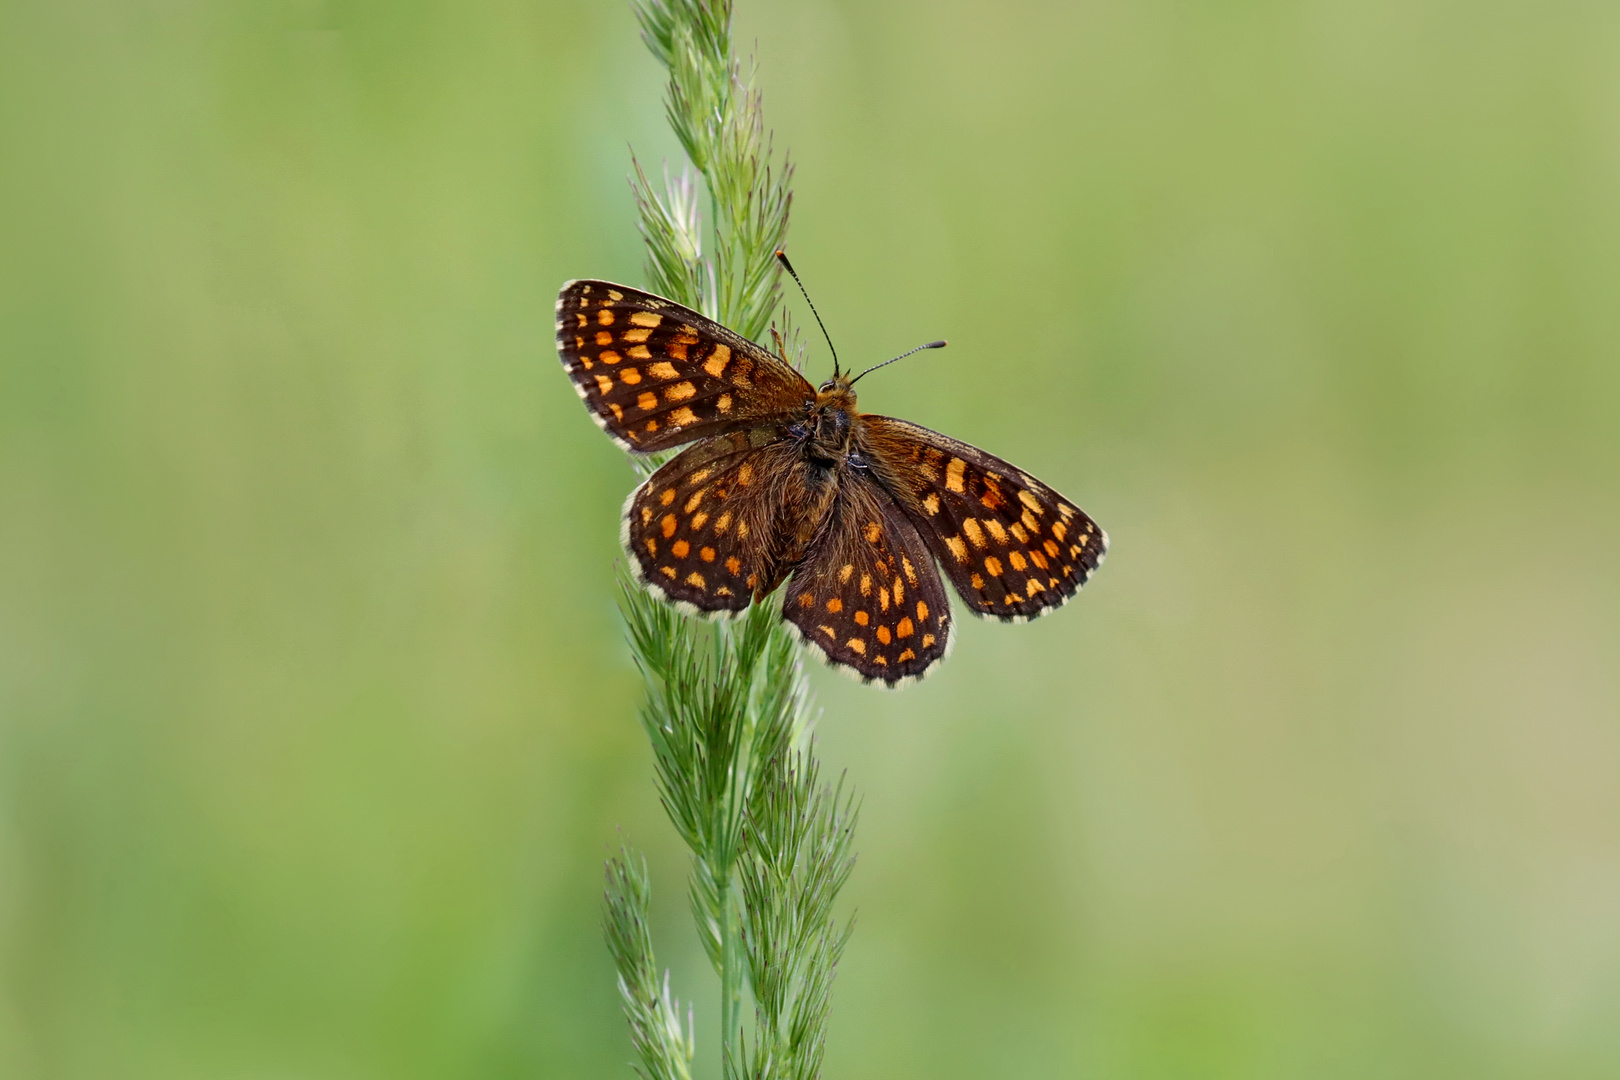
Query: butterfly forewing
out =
(655, 374)
(699, 530)
(1012, 546)
(867, 594)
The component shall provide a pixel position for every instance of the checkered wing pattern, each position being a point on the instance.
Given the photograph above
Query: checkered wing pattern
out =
(699, 531)
(1012, 546)
(655, 374)
(867, 594)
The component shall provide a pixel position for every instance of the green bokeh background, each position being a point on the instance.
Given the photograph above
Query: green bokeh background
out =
(317, 720)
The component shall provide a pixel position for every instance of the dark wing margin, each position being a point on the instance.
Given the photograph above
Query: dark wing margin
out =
(655, 374)
(1013, 548)
(697, 533)
(867, 594)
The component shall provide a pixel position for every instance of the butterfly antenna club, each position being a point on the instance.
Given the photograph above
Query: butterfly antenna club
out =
(781, 257)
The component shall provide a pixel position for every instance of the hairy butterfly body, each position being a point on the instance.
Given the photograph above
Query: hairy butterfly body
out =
(786, 485)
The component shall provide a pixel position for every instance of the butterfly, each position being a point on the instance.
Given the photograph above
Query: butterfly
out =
(782, 482)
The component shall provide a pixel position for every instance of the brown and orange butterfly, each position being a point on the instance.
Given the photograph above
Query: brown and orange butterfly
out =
(785, 482)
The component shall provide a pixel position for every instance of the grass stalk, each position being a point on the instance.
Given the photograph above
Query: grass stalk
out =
(727, 706)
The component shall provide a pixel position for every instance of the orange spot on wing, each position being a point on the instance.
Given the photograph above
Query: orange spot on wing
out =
(862, 618)
(695, 578)
(707, 554)
(905, 629)
(993, 564)
(856, 645)
(663, 370)
(630, 376)
(668, 525)
(605, 317)
(734, 565)
(883, 635)
(680, 548)
(835, 605)
(649, 319)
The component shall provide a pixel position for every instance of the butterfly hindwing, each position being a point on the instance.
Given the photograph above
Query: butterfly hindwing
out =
(867, 594)
(698, 532)
(1012, 546)
(655, 374)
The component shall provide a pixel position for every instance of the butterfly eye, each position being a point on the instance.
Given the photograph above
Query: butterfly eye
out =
(856, 461)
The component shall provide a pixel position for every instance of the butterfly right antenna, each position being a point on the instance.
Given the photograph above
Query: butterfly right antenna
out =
(781, 257)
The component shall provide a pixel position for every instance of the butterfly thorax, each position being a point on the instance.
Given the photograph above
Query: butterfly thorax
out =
(829, 430)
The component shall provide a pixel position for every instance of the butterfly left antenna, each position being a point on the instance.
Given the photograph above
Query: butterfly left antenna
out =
(781, 257)
(902, 356)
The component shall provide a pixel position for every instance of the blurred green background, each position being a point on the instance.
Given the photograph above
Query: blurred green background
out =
(317, 721)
